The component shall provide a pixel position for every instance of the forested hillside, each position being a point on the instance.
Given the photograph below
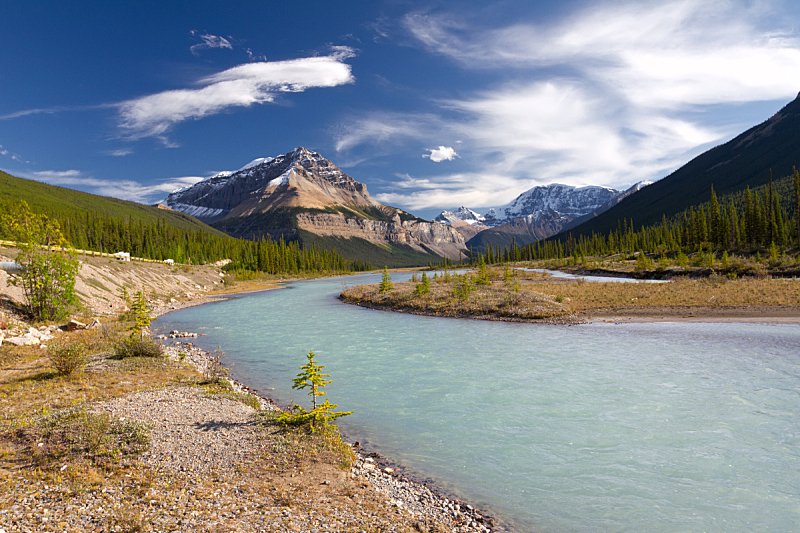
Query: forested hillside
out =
(110, 225)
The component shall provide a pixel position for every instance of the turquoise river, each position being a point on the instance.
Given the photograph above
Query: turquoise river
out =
(660, 427)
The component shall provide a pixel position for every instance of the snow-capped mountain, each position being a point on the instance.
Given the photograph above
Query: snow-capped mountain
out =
(302, 191)
(463, 214)
(544, 211)
(563, 199)
(301, 178)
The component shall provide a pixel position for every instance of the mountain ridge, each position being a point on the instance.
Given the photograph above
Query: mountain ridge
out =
(771, 148)
(301, 191)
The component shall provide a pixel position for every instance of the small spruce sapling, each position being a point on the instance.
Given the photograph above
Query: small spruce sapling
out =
(313, 379)
(386, 282)
(141, 314)
(424, 286)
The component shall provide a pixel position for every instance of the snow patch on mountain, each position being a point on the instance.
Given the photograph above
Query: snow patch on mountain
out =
(197, 211)
(462, 213)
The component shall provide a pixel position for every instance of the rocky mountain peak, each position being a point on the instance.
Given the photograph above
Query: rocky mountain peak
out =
(299, 178)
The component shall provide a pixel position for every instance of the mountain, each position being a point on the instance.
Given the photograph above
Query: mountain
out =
(748, 160)
(303, 196)
(466, 221)
(536, 214)
(521, 230)
(463, 214)
(608, 205)
(564, 199)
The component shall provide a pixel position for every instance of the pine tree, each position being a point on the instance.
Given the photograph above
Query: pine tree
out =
(312, 378)
(386, 282)
(715, 219)
(797, 202)
(141, 314)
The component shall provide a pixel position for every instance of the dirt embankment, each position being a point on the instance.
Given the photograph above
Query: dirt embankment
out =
(102, 281)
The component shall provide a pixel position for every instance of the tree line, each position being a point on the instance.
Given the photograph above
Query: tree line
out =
(747, 221)
(160, 241)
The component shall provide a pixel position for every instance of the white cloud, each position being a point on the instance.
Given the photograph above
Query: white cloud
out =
(383, 127)
(656, 53)
(609, 95)
(443, 153)
(124, 189)
(121, 152)
(240, 86)
(209, 41)
(12, 155)
(474, 189)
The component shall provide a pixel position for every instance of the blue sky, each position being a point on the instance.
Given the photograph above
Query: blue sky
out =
(431, 104)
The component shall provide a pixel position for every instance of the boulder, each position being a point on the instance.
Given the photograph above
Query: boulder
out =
(93, 324)
(74, 325)
(23, 340)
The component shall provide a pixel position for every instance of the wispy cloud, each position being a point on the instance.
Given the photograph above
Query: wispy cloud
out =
(443, 153)
(124, 189)
(610, 95)
(53, 110)
(208, 41)
(660, 53)
(380, 127)
(121, 152)
(472, 189)
(241, 86)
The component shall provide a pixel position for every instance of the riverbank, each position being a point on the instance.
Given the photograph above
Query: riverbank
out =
(536, 297)
(169, 444)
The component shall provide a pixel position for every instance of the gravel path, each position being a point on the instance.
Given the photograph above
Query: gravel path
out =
(191, 430)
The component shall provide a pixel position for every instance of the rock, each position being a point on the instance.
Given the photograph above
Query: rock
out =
(24, 340)
(93, 324)
(74, 325)
(2, 336)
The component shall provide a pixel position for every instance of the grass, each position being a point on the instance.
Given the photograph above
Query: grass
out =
(715, 292)
(295, 447)
(542, 297)
(495, 300)
(31, 386)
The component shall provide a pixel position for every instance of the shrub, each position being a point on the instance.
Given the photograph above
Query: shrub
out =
(134, 346)
(47, 278)
(215, 372)
(67, 357)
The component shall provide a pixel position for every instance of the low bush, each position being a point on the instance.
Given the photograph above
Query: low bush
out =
(134, 346)
(67, 357)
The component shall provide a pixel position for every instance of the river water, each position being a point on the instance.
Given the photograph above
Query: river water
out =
(658, 427)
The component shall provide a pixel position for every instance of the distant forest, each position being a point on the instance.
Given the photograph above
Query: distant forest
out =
(159, 240)
(749, 221)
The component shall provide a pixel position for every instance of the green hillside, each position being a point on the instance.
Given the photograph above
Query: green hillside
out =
(104, 224)
(59, 201)
(772, 147)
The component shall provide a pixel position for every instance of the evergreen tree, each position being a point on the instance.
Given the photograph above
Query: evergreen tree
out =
(141, 314)
(386, 282)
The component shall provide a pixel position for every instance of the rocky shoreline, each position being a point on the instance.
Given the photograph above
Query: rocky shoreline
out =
(418, 500)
